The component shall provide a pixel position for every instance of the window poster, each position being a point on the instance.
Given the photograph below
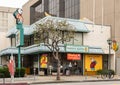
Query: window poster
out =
(93, 62)
(73, 56)
(43, 61)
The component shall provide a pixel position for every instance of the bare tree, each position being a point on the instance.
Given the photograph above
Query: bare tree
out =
(53, 33)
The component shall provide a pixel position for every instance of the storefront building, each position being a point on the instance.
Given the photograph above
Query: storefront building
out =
(86, 53)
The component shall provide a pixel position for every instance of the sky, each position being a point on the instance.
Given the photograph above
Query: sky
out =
(12, 3)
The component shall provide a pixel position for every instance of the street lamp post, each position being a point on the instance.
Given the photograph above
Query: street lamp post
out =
(109, 41)
(19, 34)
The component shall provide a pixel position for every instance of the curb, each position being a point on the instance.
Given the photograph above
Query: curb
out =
(14, 84)
(57, 81)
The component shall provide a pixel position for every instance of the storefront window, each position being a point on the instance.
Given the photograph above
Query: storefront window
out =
(105, 62)
(77, 40)
(73, 63)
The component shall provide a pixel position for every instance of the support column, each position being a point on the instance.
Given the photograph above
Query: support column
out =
(19, 57)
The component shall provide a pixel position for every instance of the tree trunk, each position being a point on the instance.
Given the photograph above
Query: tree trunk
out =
(58, 67)
(58, 70)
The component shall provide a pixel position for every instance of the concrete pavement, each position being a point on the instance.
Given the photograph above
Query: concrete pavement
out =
(31, 79)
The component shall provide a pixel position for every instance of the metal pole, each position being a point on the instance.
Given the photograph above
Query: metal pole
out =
(19, 27)
(22, 61)
(19, 60)
(34, 72)
(3, 80)
(109, 64)
(38, 64)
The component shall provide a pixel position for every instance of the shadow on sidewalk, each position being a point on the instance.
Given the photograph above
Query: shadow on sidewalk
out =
(14, 84)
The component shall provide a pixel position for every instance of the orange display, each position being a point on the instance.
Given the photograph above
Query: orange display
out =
(73, 57)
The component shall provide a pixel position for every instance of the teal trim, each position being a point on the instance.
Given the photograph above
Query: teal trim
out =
(76, 48)
(95, 50)
(28, 30)
(41, 49)
(79, 25)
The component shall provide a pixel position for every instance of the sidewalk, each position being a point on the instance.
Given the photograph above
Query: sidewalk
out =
(52, 79)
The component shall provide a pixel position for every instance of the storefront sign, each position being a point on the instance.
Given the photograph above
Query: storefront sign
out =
(45, 48)
(74, 48)
(95, 50)
(18, 38)
(43, 61)
(115, 45)
(11, 67)
(73, 57)
(93, 62)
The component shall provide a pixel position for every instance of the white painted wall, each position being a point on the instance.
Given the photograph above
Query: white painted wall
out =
(97, 37)
(7, 22)
(118, 65)
(4, 42)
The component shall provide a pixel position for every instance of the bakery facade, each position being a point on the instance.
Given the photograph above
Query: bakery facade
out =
(86, 53)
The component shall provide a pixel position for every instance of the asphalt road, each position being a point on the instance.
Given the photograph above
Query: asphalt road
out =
(85, 83)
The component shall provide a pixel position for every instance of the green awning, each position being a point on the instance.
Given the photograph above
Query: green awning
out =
(28, 30)
(41, 48)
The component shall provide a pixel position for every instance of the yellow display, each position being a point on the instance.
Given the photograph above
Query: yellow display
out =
(115, 45)
(43, 61)
(93, 62)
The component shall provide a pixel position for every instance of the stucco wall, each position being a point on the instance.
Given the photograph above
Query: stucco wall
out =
(118, 64)
(111, 15)
(4, 42)
(26, 11)
(7, 22)
(97, 36)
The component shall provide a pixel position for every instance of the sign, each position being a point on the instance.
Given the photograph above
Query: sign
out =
(93, 62)
(19, 25)
(11, 67)
(43, 61)
(18, 38)
(95, 50)
(115, 46)
(18, 16)
(75, 48)
(73, 57)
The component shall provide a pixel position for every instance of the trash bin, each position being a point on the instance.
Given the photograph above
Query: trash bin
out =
(45, 71)
(41, 73)
(67, 72)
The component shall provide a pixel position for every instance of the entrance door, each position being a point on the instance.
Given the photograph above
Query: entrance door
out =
(75, 63)
(76, 68)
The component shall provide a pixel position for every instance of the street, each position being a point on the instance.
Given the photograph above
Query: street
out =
(85, 83)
